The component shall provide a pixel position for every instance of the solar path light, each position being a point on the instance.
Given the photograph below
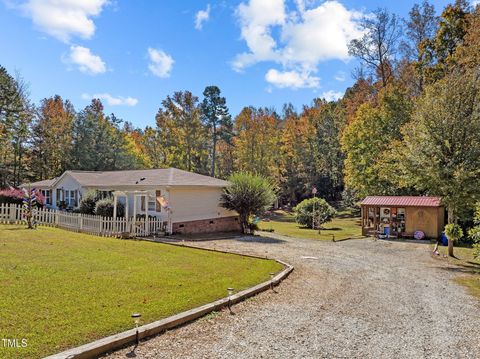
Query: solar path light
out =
(136, 319)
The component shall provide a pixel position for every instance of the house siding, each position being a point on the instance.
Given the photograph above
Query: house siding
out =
(192, 204)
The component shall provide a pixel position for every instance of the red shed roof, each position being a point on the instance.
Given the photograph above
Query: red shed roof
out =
(402, 201)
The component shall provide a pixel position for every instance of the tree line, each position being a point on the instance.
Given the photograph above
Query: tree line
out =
(409, 124)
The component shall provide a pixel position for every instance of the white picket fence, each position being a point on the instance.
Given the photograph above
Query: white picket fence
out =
(98, 225)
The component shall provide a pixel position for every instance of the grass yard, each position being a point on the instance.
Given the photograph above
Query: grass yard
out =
(470, 266)
(342, 227)
(61, 289)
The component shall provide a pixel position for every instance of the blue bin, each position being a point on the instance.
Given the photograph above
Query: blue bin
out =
(444, 239)
(386, 231)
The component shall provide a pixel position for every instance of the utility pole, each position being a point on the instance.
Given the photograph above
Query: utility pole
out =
(314, 192)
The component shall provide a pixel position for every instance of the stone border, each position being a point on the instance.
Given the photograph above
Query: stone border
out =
(120, 340)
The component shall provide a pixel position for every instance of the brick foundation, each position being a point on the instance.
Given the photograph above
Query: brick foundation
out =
(224, 224)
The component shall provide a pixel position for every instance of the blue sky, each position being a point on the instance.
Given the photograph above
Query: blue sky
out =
(133, 54)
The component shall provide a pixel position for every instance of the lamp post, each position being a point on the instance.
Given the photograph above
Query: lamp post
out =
(136, 319)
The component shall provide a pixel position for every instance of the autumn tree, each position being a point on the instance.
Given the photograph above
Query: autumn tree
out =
(377, 48)
(421, 27)
(181, 133)
(297, 155)
(438, 53)
(52, 137)
(257, 142)
(98, 142)
(468, 54)
(366, 139)
(440, 152)
(217, 121)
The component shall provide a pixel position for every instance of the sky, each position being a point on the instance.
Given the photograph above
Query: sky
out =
(133, 54)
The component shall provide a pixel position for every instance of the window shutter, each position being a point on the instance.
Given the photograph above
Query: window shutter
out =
(143, 203)
(75, 204)
(59, 193)
(158, 206)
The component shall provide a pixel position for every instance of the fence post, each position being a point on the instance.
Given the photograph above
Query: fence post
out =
(13, 213)
(147, 225)
(80, 222)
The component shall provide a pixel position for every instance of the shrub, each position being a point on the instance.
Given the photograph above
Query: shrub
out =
(15, 196)
(453, 231)
(474, 233)
(104, 208)
(11, 196)
(248, 195)
(88, 202)
(304, 212)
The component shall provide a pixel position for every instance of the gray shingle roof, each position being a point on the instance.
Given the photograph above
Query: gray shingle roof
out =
(40, 184)
(151, 177)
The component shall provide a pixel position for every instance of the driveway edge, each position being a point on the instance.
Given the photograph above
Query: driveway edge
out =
(117, 341)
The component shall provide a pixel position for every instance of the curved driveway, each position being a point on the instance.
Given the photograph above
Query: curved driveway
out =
(351, 299)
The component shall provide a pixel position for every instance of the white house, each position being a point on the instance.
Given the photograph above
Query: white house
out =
(188, 202)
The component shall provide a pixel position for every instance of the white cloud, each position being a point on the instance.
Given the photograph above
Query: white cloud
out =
(161, 63)
(292, 79)
(85, 60)
(63, 19)
(340, 76)
(201, 17)
(256, 20)
(298, 40)
(331, 95)
(111, 100)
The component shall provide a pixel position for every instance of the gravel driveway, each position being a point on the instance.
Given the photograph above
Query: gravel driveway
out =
(351, 299)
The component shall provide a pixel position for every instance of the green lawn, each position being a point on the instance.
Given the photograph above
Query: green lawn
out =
(342, 227)
(61, 289)
(469, 266)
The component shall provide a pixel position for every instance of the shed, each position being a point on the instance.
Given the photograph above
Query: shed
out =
(401, 216)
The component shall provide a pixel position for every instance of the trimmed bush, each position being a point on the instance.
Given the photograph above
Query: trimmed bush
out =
(304, 212)
(248, 195)
(88, 202)
(104, 208)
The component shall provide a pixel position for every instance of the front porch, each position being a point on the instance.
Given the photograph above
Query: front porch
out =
(140, 208)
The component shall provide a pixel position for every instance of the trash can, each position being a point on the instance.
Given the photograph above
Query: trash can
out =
(444, 239)
(386, 231)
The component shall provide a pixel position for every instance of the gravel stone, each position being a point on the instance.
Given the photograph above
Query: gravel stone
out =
(359, 299)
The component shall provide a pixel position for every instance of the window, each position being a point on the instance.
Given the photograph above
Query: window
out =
(59, 197)
(71, 198)
(47, 195)
(152, 204)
